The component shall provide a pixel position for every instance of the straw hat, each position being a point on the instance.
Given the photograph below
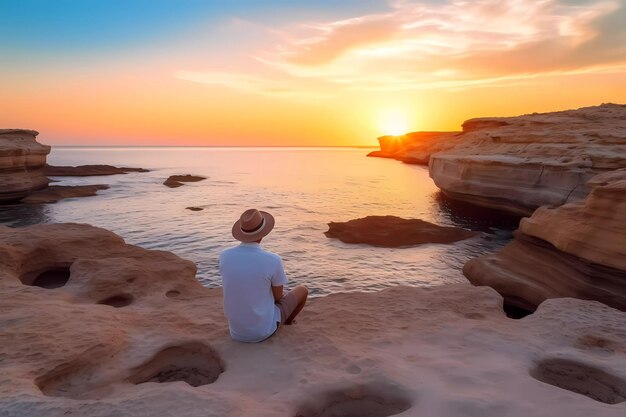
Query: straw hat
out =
(253, 225)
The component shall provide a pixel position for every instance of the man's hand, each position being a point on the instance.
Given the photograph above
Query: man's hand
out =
(278, 293)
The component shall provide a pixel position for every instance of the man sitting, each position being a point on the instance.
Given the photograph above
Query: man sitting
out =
(253, 280)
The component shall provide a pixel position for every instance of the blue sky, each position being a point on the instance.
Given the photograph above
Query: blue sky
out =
(75, 25)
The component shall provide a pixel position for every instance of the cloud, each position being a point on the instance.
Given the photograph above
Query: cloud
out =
(251, 84)
(456, 44)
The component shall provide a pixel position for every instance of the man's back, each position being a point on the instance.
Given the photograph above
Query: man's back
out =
(248, 274)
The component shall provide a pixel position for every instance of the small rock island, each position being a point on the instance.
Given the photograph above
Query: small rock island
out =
(393, 231)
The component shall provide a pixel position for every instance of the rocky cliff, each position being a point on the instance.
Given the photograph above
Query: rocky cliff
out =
(22, 160)
(520, 163)
(92, 326)
(575, 250)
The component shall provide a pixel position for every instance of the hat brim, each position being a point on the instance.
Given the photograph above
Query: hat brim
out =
(242, 236)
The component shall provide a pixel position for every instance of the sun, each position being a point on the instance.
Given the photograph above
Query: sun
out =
(393, 122)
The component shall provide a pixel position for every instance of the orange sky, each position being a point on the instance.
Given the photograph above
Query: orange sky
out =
(410, 66)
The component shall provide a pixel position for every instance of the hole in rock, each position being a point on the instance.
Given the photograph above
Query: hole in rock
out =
(49, 278)
(79, 377)
(514, 310)
(172, 294)
(194, 363)
(118, 300)
(582, 379)
(360, 401)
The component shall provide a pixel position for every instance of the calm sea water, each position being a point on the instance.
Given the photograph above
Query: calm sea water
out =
(304, 188)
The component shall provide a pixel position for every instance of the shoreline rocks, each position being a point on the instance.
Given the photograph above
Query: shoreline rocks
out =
(393, 232)
(88, 170)
(54, 193)
(93, 326)
(24, 171)
(175, 181)
(518, 164)
(575, 250)
(22, 160)
(415, 147)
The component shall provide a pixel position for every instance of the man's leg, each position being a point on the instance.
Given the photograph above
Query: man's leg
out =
(292, 303)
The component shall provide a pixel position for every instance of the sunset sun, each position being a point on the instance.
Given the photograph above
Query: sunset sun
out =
(393, 122)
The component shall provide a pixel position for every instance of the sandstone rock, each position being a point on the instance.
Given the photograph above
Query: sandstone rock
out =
(593, 229)
(88, 170)
(164, 349)
(392, 231)
(22, 159)
(194, 208)
(416, 147)
(175, 181)
(55, 193)
(519, 163)
(575, 250)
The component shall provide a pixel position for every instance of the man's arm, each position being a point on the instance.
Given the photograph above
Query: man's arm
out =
(278, 293)
(279, 279)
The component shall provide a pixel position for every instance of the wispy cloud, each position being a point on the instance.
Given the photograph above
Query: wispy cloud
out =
(417, 45)
(251, 84)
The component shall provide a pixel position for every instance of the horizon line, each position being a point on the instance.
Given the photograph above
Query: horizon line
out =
(215, 146)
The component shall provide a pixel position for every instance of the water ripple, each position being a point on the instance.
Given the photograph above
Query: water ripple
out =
(304, 189)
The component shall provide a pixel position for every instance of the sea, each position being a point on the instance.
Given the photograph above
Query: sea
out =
(304, 188)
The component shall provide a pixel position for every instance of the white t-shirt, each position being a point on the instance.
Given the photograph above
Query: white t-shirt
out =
(248, 273)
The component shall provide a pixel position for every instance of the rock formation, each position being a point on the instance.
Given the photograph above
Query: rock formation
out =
(392, 232)
(416, 147)
(575, 250)
(520, 163)
(55, 193)
(175, 181)
(88, 170)
(22, 159)
(94, 327)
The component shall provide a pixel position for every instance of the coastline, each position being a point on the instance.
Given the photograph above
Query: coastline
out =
(435, 351)
(128, 330)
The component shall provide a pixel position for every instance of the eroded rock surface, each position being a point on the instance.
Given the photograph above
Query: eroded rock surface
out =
(175, 181)
(88, 170)
(575, 250)
(393, 231)
(520, 163)
(404, 351)
(22, 160)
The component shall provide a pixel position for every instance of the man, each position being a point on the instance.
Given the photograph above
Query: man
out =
(253, 281)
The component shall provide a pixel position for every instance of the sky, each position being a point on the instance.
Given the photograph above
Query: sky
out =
(297, 72)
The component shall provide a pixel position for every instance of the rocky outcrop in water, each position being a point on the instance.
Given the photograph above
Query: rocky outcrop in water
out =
(88, 170)
(175, 181)
(22, 160)
(575, 250)
(94, 327)
(55, 193)
(416, 147)
(520, 163)
(393, 231)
